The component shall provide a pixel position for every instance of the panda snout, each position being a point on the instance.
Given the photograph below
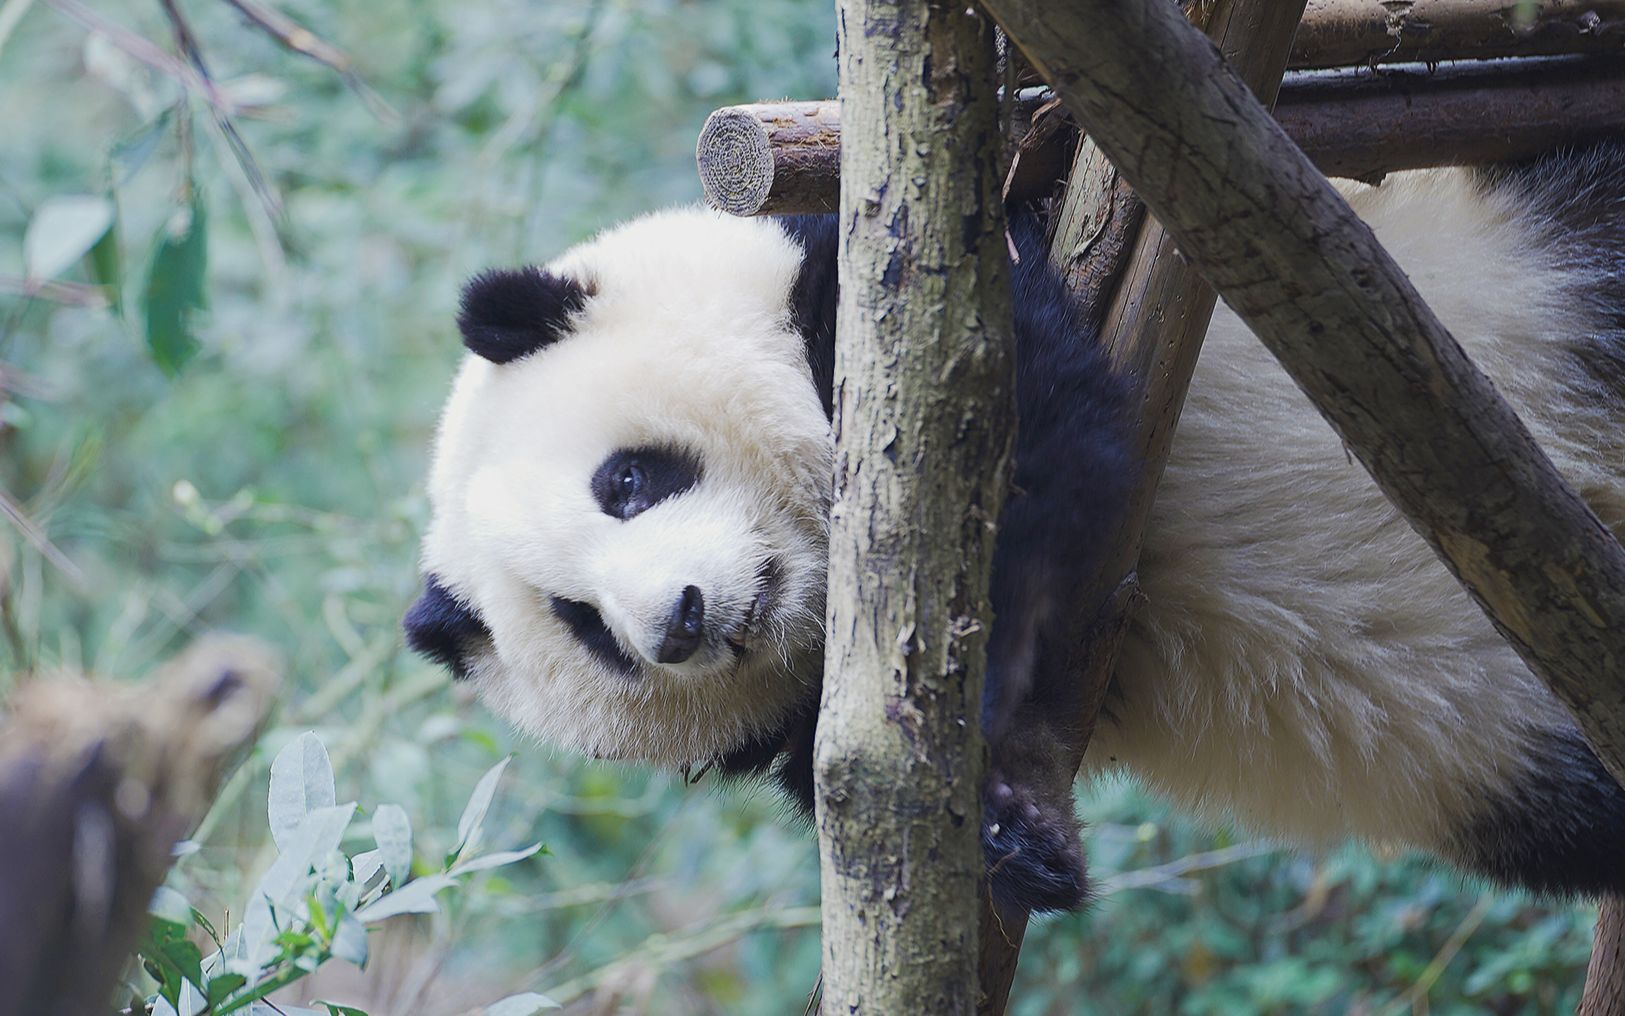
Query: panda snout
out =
(685, 627)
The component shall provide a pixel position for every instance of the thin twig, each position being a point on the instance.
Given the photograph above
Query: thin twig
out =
(663, 949)
(146, 52)
(296, 37)
(1150, 877)
(1416, 998)
(38, 540)
(186, 41)
(69, 294)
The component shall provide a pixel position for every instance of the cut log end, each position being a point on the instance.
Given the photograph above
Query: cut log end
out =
(735, 157)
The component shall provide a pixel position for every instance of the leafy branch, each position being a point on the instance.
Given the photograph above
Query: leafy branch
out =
(316, 901)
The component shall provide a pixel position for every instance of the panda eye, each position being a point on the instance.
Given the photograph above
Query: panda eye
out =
(633, 480)
(629, 483)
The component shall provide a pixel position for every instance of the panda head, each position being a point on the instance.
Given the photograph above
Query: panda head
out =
(629, 494)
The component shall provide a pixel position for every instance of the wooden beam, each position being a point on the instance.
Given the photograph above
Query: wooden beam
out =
(1358, 125)
(784, 158)
(772, 157)
(1348, 33)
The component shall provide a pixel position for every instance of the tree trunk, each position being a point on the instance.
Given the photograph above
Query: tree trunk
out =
(923, 422)
(97, 784)
(1267, 230)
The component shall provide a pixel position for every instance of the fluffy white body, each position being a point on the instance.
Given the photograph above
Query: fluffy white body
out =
(1302, 659)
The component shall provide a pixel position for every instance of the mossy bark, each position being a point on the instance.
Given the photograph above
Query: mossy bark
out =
(923, 423)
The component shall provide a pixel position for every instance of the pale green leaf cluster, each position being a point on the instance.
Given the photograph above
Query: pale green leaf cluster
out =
(316, 900)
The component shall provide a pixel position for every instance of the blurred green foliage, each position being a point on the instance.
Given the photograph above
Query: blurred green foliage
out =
(232, 434)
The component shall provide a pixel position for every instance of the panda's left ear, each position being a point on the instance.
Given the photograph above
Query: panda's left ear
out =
(509, 313)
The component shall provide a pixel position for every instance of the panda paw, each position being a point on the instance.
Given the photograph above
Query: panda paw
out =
(1032, 848)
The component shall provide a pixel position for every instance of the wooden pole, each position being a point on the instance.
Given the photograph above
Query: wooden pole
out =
(1344, 33)
(757, 160)
(923, 421)
(1353, 124)
(1605, 977)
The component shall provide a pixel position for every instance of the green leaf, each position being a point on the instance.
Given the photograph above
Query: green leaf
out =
(392, 831)
(174, 288)
(222, 985)
(416, 897)
(524, 1004)
(496, 860)
(479, 802)
(334, 1009)
(301, 782)
(318, 835)
(62, 231)
(178, 962)
(107, 271)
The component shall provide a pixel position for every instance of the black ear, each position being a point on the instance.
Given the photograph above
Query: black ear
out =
(509, 313)
(440, 626)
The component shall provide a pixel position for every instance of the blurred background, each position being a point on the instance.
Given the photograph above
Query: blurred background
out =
(222, 349)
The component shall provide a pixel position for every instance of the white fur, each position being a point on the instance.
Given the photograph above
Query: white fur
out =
(686, 340)
(1303, 660)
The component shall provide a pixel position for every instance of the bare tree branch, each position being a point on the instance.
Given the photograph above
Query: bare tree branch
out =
(291, 35)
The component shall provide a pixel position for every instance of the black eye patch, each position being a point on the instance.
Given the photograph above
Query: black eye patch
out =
(588, 627)
(633, 480)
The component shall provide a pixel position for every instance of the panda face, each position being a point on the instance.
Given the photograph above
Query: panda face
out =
(629, 501)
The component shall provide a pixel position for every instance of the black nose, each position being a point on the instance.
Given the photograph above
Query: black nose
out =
(686, 627)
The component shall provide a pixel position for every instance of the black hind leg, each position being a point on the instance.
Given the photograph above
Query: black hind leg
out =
(1559, 830)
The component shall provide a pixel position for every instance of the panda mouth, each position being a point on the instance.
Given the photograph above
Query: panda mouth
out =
(769, 579)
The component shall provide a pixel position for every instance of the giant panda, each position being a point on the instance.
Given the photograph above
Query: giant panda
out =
(631, 481)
